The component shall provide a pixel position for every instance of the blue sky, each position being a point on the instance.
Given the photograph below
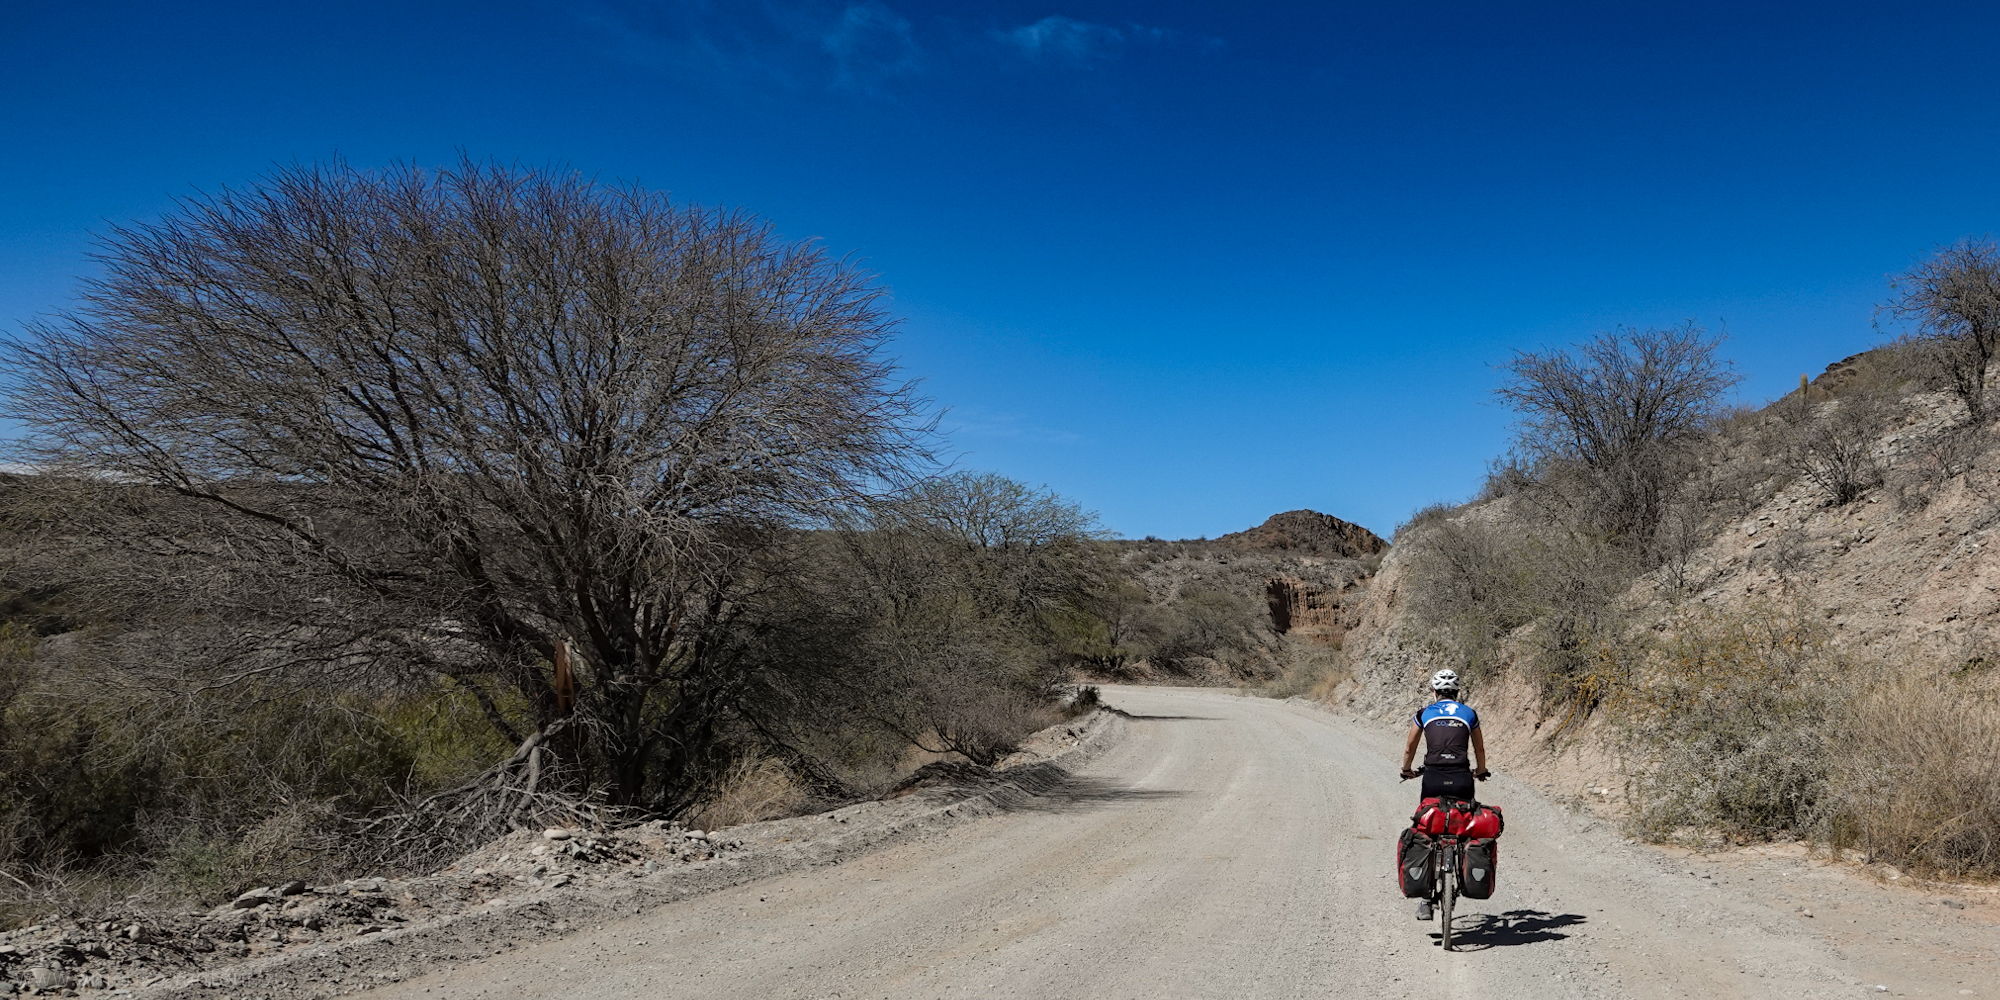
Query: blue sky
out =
(1187, 264)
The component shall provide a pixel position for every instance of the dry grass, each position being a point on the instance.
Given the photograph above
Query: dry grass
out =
(1915, 773)
(1750, 724)
(1312, 670)
(1727, 721)
(755, 789)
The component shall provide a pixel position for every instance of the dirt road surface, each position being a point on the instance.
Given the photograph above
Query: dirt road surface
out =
(1238, 847)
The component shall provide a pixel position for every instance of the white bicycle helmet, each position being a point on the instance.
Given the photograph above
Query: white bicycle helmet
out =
(1444, 680)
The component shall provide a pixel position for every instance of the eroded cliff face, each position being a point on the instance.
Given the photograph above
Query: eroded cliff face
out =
(1314, 610)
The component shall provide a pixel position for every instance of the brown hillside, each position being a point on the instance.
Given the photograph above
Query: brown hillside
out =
(1309, 533)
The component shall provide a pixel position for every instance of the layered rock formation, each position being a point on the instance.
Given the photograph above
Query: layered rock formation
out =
(1311, 608)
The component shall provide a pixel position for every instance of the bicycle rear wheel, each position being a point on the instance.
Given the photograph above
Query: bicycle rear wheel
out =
(1447, 891)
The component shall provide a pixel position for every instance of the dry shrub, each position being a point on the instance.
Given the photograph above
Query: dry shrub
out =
(983, 723)
(1086, 700)
(1313, 670)
(1936, 461)
(1833, 447)
(1485, 588)
(1470, 583)
(1750, 724)
(110, 787)
(1726, 720)
(1916, 775)
(754, 789)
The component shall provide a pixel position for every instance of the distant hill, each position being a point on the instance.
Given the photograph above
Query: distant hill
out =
(1309, 533)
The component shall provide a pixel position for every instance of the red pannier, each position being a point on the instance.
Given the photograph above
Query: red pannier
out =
(1433, 817)
(1485, 823)
(1456, 816)
(1478, 828)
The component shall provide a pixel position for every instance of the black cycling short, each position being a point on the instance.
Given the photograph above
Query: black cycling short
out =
(1450, 783)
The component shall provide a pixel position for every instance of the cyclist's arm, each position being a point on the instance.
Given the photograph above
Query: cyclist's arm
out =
(1478, 750)
(1410, 745)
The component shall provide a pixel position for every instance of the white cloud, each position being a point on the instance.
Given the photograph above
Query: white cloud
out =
(1065, 39)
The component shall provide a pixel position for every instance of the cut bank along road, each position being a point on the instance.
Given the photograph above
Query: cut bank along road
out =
(1226, 846)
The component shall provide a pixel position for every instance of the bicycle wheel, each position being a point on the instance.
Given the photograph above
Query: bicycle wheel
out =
(1447, 891)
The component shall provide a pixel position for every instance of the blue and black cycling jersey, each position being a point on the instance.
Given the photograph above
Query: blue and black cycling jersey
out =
(1447, 727)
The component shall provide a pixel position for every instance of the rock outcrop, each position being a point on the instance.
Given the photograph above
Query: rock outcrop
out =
(1313, 610)
(1309, 533)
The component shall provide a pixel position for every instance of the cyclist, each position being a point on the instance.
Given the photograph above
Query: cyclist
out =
(1448, 728)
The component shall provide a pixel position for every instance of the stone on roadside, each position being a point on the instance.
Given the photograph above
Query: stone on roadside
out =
(556, 833)
(292, 888)
(48, 979)
(255, 897)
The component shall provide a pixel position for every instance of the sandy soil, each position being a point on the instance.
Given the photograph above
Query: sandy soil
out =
(1223, 846)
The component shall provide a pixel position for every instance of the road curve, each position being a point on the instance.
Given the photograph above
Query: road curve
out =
(1227, 846)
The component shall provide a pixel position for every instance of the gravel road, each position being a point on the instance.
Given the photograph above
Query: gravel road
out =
(1226, 846)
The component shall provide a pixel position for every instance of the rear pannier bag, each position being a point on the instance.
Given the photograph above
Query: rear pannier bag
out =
(1414, 867)
(1486, 822)
(1459, 817)
(1477, 861)
(1432, 817)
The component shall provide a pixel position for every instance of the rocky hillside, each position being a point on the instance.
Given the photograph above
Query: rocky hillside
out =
(1308, 533)
(1255, 606)
(1903, 576)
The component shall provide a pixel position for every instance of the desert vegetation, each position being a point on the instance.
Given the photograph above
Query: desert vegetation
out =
(366, 517)
(1597, 565)
(363, 517)
(1268, 607)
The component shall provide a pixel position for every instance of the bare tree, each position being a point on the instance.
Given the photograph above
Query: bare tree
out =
(1606, 427)
(472, 420)
(1617, 394)
(952, 600)
(991, 511)
(1954, 299)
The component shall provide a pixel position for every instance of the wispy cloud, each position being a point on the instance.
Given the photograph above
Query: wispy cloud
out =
(866, 46)
(871, 44)
(763, 42)
(976, 423)
(1057, 38)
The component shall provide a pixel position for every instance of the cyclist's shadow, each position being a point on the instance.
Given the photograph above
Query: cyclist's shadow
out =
(1480, 931)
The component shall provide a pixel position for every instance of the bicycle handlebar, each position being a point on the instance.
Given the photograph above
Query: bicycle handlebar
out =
(1480, 775)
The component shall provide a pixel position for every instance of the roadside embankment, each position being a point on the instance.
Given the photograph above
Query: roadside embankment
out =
(300, 941)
